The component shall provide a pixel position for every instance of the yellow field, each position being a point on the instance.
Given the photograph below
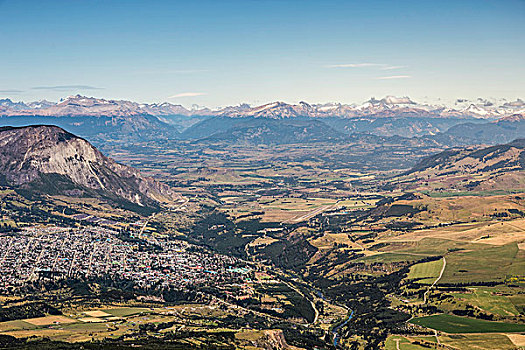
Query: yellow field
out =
(328, 240)
(402, 343)
(48, 320)
(280, 215)
(274, 336)
(91, 319)
(458, 341)
(15, 325)
(262, 241)
(517, 339)
(495, 233)
(478, 341)
(97, 313)
(465, 208)
(70, 332)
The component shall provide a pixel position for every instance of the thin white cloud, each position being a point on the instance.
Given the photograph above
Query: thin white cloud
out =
(394, 77)
(188, 94)
(13, 91)
(392, 67)
(381, 66)
(171, 71)
(355, 65)
(66, 87)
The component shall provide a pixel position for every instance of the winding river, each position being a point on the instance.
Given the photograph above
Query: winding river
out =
(336, 329)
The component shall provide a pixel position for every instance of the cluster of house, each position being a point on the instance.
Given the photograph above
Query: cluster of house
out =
(96, 252)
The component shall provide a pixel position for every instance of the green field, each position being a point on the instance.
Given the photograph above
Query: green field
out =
(518, 300)
(463, 258)
(126, 311)
(428, 271)
(486, 300)
(456, 324)
(497, 263)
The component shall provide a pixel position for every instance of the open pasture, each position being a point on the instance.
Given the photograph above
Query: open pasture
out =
(76, 331)
(517, 339)
(397, 342)
(466, 262)
(427, 246)
(49, 320)
(478, 341)
(486, 298)
(126, 311)
(518, 300)
(487, 263)
(390, 257)
(495, 233)
(300, 204)
(97, 313)
(455, 324)
(292, 209)
(15, 325)
(427, 272)
(465, 209)
(86, 328)
(91, 319)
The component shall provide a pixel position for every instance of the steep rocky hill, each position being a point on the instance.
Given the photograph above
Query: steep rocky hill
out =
(47, 159)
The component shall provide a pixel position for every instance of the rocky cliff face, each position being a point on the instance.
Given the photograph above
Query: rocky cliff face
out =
(28, 154)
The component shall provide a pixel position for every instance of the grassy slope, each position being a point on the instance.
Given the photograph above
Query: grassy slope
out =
(428, 271)
(456, 324)
(487, 263)
(478, 341)
(486, 300)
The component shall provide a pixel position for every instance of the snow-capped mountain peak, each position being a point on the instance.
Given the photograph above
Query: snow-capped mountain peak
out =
(389, 106)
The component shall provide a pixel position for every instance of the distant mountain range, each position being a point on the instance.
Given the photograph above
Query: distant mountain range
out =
(387, 107)
(50, 160)
(278, 122)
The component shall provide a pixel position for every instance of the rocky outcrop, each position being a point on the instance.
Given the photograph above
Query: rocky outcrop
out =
(28, 154)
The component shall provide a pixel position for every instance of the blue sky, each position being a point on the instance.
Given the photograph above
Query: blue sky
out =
(218, 53)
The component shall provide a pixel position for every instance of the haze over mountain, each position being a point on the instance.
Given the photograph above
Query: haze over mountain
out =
(479, 121)
(502, 130)
(50, 160)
